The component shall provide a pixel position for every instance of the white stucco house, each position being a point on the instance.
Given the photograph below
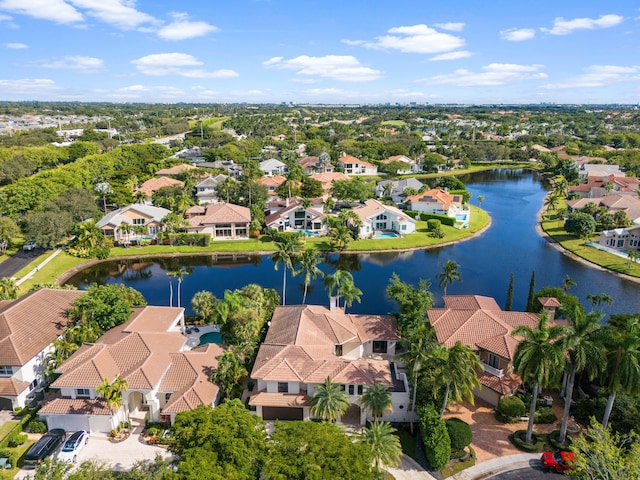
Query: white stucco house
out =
(396, 188)
(28, 328)
(293, 216)
(272, 167)
(436, 201)
(376, 217)
(207, 189)
(223, 221)
(121, 224)
(355, 166)
(622, 238)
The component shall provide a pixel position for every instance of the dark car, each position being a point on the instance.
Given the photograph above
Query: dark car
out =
(559, 461)
(44, 447)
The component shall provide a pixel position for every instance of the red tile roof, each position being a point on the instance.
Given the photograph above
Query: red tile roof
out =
(154, 184)
(10, 387)
(79, 406)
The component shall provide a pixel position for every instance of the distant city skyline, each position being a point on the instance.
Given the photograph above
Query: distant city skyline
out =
(309, 51)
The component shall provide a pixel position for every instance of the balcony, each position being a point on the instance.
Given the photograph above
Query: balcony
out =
(496, 372)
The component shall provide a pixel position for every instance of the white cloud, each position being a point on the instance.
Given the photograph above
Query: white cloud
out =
(161, 64)
(28, 86)
(599, 76)
(17, 46)
(5, 18)
(451, 26)
(182, 28)
(337, 67)
(306, 81)
(517, 34)
(451, 56)
(413, 39)
(493, 74)
(57, 11)
(78, 63)
(565, 27)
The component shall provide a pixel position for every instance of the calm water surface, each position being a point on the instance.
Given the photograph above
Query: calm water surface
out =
(511, 244)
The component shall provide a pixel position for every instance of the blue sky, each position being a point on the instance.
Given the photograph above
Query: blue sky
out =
(329, 51)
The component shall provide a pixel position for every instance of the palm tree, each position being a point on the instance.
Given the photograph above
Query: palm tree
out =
(480, 200)
(336, 282)
(340, 237)
(139, 196)
(8, 289)
(112, 392)
(457, 370)
(450, 273)
(568, 282)
(204, 304)
(350, 293)
(179, 274)
(308, 265)
(539, 358)
(632, 257)
(584, 352)
(376, 399)
(88, 235)
(171, 275)
(286, 253)
(551, 202)
(623, 363)
(385, 446)
(329, 401)
(597, 300)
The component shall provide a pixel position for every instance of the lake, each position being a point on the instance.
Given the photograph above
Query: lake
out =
(512, 198)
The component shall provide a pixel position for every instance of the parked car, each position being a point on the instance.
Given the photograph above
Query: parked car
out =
(73, 445)
(30, 245)
(558, 461)
(44, 447)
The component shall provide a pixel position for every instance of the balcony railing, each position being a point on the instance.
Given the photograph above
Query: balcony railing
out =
(496, 372)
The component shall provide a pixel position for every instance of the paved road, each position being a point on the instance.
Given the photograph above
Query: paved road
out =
(18, 261)
(530, 473)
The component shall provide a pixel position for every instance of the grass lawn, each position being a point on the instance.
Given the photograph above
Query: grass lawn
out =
(394, 123)
(214, 122)
(555, 228)
(476, 168)
(6, 428)
(408, 442)
(22, 450)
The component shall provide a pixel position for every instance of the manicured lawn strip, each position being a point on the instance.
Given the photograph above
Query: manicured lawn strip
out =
(395, 123)
(6, 428)
(555, 228)
(21, 450)
(408, 442)
(476, 168)
(214, 122)
(50, 272)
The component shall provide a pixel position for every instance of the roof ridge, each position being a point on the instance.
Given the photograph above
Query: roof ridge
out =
(292, 369)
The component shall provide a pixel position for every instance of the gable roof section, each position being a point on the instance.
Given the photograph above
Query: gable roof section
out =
(351, 159)
(29, 324)
(212, 181)
(117, 217)
(373, 207)
(435, 195)
(217, 213)
(157, 183)
(274, 181)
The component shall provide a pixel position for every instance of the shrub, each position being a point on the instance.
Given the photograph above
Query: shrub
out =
(412, 213)
(433, 224)
(36, 426)
(519, 440)
(435, 437)
(17, 439)
(511, 407)
(12, 455)
(425, 217)
(190, 239)
(460, 434)
(21, 412)
(545, 415)
(554, 439)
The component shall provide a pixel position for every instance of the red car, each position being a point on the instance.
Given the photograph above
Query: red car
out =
(559, 461)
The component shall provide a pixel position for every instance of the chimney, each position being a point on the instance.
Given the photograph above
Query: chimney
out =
(286, 202)
(333, 304)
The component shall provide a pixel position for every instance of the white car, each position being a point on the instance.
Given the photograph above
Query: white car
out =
(30, 245)
(73, 445)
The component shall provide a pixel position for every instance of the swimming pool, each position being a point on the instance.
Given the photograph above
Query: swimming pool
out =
(382, 234)
(309, 233)
(210, 337)
(461, 217)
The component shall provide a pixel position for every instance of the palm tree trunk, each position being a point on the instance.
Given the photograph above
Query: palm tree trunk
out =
(304, 296)
(170, 293)
(179, 282)
(415, 391)
(532, 414)
(567, 404)
(284, 285)
(446, 399)
(607, 411)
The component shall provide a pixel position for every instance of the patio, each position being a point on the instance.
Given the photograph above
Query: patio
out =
(194, 333)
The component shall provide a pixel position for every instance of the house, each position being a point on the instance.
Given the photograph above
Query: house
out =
(599, 186)
(271, 183)
(154, 184)
(306, 344)
(223, 221)
(193, 154)
(586, 170)
(233, 169)
(395, 188)
(175, 170)
(436, 201)
(613, 203)
(273, 167)
(327, 179)
(148, 352)
(312, 165)
(294, 216)
(120, 225)
(479, 323)
(354, 166)
(207, 189)
(621, 238)
(411, 165)
(28, 328)
(375, 217)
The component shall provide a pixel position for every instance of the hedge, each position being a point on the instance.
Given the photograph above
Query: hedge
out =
(190, 239)
(435, 437)
(460, 434)
(519, 440)
(545, 415)
(412, 213)
(511, 407)
(19, 427)
(443, 218)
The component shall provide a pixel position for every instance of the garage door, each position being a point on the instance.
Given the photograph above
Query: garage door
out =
(70, 423)
(282, 413)
(6, 404)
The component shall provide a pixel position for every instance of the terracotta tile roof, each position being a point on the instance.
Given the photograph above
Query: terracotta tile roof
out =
(176, 169)
(279, 400)
(308, 161)
(154, 184)
(327, 178)
(549, 302)
(365, 372)
(397, 158)
(505, 385)
(437, 196)
(469, 302)
(373, 207)
(217, 213)
(274, 181)
(350, 159)
(29, 324)
(10, 387)
(68, 406)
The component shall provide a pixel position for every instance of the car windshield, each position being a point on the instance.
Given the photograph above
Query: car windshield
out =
(557, 457)
(69, 446)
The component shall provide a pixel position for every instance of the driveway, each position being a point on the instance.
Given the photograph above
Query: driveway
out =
(18, 261)
(409, 470)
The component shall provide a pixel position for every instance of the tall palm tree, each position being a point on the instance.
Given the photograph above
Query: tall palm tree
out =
(335, 282)
(286, 253)
(539, 358)
(597, 300)
(350, 293)
(568, 282)
(308, 265)
(584, 352)
(450, 273)
(551, 202)
(376, 399)
(329, 401)
(623, 363)
(88, 235)
(458, 367)
(179, 274)
(385, 446)
(171, 276)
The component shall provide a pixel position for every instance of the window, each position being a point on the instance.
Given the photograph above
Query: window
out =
(34, 384)
(379, 346)
(138, 221)
(360, 389)
(382, 216)
(223, 230)
(494, 360)
(283, 387)
(339, 350)
(82, 392)
(404, 227)
(5, 370)
(351, 389)
(300, 214)
(153, 230)
(167, 396)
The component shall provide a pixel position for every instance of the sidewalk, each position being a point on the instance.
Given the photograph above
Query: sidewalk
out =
(497, 465)
(40, 265)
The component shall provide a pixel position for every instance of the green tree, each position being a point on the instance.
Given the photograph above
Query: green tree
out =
(308, 266)
(106, 306)
(450, 273)
(584, 352)
(8, 289)
(48, 229)
(329, 401)
(580, 224)
(457, 371)
(413, 302)
(435, 436)
(340, 282)
(112, 391)
(230, 374)
(340, 237)
(384, 444)
(568, 282)
(532, 289)
(8, 230)
(286, 254)
(350, 293)
(179, 274)
(551, 202)
(597, 300)
(508, 306)
(204, 304)
(539, 358)
(376, 399)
